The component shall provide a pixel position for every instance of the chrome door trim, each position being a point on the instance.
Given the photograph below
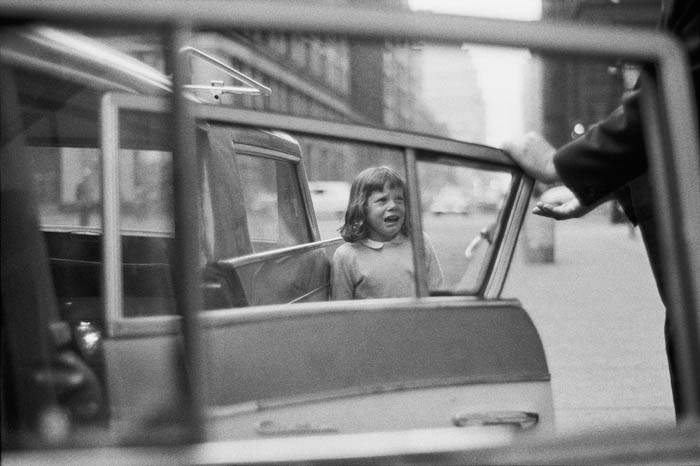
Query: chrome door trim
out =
(112, 286)
(521, 198)
(355, 133)
(255, 151)
(252, 406)
(268, 255)
(314, 127)
(414, 215)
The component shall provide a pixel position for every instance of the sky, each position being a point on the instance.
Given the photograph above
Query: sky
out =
(498, 68)
(505, 9)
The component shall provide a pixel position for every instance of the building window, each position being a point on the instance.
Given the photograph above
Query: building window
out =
(283, 99)
(298, 51)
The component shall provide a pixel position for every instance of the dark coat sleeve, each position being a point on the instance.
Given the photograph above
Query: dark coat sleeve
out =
(612, 153)
(607, 157)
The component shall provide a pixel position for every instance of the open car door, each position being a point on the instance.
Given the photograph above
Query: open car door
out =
(277, 365)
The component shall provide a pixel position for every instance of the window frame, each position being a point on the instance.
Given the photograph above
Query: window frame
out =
(116, 322)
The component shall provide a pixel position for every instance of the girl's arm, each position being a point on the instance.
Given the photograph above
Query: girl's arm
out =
(342, 286)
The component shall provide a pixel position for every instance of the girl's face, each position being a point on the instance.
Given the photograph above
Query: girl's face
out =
(386, 212)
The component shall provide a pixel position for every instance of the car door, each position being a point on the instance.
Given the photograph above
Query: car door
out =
(258, 240)
(319, 367)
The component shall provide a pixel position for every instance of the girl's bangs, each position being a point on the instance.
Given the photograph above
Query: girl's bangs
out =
(380, 178)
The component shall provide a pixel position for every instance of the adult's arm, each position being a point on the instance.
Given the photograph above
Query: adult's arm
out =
(611, 154)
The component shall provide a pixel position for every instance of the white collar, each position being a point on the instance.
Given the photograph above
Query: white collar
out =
(376, 245)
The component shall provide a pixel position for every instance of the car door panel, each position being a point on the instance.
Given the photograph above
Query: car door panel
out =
(283, 365)
(290, 360)
(310, 364)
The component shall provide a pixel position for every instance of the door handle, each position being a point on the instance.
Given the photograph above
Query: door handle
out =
(272, 428)
(520, 419)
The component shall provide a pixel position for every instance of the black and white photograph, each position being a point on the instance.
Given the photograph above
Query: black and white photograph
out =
(325, 232)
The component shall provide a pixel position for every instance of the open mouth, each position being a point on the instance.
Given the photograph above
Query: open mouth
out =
(391, 219)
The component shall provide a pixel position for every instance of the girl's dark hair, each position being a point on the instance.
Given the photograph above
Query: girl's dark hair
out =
(366, 182)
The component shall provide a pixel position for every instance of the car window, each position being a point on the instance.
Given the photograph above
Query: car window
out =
(273, 203)
(461, 209)
(146, 191)
(460, 201)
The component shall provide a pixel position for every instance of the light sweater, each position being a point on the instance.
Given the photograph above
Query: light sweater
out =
(372, 269)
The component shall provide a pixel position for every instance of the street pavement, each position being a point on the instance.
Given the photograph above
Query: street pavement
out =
(601, 321)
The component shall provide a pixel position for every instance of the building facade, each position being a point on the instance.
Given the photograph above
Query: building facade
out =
(330, 78)
(590, 90)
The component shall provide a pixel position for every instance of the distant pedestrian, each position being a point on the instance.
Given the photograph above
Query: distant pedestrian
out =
(85, 197)
(377, 259)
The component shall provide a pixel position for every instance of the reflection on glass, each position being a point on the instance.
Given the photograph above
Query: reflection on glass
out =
(461, 207)
(462, 91)
(68, 185)
(273, 203)
(146, 191)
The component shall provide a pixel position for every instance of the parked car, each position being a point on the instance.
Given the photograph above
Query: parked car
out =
(256, 222)
(201, 330)
(116, 290)
(450, 200)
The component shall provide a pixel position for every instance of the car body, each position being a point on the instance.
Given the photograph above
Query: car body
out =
(259, 248)
(218, 335)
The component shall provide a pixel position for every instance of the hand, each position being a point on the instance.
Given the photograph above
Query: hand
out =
(560, 204)
(535, 156)
(469, 252)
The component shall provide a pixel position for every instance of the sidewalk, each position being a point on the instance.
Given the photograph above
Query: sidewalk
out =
(601, 320)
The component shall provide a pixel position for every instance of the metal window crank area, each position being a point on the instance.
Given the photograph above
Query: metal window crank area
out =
(250, 87)
(519, 419)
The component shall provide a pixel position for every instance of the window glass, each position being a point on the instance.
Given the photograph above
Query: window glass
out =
(273, 203)
(146, 191)
(69, 186)
(461, 202)
(461, 207)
